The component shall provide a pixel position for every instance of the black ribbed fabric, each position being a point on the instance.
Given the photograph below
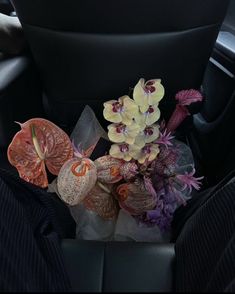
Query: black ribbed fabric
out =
(183, 213)
(30, 254)
(205, 249)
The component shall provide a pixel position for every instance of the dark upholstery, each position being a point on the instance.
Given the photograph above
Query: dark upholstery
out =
(205, 249)
(119, 266)
(91, 51)
(11, 35)
(20, 96)
(31, 258)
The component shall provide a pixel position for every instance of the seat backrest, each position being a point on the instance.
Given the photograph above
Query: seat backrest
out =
(91, 51)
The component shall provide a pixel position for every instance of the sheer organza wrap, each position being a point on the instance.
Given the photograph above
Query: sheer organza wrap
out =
(87, 131)
(124, 227)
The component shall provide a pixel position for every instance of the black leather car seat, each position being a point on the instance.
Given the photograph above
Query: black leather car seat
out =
(119, 266)
(202, 259)
(91, 51)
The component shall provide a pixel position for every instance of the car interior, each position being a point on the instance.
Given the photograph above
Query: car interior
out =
(69, 54)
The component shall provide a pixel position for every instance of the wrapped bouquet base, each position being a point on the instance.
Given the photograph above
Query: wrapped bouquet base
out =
(121, 185)
(130, 201)
(129, 229)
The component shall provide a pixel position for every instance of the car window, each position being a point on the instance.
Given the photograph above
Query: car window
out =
(225, 42)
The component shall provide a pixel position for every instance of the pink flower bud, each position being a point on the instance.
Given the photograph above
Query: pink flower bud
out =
(186, 97)
(178, 116)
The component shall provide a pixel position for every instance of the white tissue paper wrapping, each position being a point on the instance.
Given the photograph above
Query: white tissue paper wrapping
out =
(90, 226)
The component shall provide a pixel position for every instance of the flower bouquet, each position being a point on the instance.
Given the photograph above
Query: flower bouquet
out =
(142, 173)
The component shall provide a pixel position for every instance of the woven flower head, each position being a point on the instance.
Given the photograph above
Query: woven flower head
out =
(119, 133)
(121, 111)
(148, 93)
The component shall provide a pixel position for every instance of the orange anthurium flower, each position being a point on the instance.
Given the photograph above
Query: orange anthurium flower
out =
(39, 144)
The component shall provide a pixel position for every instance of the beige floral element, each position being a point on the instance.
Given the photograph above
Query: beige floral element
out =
(148, 135)
(148, 153)
(101, 201)
(119, 133)
(129, 170)
(121, 111)
(149, 117)
(76, 179)
(134, 198)
(108, 169)
(148, 93)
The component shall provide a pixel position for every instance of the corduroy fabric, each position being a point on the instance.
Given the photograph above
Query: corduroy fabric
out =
(183, 213)
(205, 249)
(30, 253)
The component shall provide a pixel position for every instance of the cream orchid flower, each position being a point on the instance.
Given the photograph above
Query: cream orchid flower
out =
(148, 135)
(148, 93)
(148, 153)
(119, 133)
(120, 151)
(149, 117)
(121, 111)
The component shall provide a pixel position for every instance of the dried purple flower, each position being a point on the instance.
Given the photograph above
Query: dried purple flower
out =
(162, 214)
(165, 138)
(178, 116)
(186, 97)
(189, 181)
(149, 186)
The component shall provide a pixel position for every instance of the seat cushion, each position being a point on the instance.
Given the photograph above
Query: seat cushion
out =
(84, 262)
(119, 266)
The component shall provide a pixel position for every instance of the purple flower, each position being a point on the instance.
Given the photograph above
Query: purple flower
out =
(178, 116)
(186, 97)
(153, 214)
(166, 159)
(162, 214)
(149, 186)
(165, 138)
(189, 181)
(159, 217)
